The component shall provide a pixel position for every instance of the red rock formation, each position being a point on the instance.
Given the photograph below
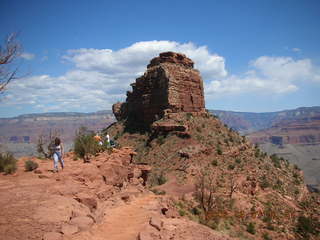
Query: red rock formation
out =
(170, 84)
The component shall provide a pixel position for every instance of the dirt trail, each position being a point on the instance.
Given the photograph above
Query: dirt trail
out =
(122, 223)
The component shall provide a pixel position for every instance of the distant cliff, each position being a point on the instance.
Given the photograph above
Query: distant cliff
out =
(20, 134)
(248, 122)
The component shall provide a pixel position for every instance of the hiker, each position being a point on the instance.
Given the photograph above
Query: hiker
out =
(98, 139)
(108, 138)
(57, 154)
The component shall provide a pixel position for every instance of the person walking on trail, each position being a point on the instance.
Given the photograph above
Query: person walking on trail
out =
(57, 154)
(98, 139)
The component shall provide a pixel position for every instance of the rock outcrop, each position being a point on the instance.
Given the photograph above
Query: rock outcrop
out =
(170, 85)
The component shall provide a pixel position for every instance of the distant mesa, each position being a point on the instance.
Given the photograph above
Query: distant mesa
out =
(170, 85)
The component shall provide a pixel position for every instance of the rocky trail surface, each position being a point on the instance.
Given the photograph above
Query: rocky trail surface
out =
(103, 199)
(123, 222)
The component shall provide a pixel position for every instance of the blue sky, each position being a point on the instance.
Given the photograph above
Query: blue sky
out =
(81, 55)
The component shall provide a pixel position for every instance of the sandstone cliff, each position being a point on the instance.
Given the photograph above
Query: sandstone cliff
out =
(170, 84)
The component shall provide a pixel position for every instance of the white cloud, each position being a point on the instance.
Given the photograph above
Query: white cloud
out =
(296, 49)
(27, 56)
(134, 59)
(102, 76)
(268, 75)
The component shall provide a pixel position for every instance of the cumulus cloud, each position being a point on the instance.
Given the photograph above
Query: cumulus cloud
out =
(27, 56)
(276, 75)
(100, 77)
(133, 59)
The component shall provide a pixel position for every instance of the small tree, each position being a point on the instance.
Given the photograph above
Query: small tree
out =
(205, 192)
(233, 186)
(85, 145)
(9, 52)
(45, 143)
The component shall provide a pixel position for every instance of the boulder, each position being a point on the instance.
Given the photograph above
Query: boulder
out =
(52, 236)
(82, 222)
(114, 174)
(68, 229)
(87, 200)
(59, 209)
(156, 222)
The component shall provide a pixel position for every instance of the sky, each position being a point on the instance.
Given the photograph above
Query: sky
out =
(81, 55)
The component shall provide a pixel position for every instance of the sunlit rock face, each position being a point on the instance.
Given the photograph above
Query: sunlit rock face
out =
(170, 85)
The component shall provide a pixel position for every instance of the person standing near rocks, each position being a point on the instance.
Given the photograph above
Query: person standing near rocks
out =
(108, 138)
(98, 139)
(57, 154)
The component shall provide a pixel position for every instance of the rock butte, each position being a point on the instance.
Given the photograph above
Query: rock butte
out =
(170, 85)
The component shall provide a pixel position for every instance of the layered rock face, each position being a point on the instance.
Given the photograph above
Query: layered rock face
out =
(170, 85)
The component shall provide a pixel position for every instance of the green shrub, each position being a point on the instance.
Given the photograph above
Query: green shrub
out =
(85, 144)
(238, 160)
(266, 236)
(295, 166)
(189, 116)
(30, 165)
(275, 160)
(257, 152)
(161, 139)
(182, 212)
(195, 211)
(264, 182)
(158, 192)
(307, 226)
(219, 150)
(8, 163)
(251, 228)
(157, 178)
(231, 167)
(214, 163)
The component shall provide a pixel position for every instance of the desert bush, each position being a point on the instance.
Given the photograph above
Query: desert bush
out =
(219, 150)
(158, 192)
(231, 166)
(189, 116)
(30, 165)
(295, 167)
(195, 211)
(251, 228)
(157, 178)
(275, 160)
(85, 145)
(264, 182)
(214, 162)
(257, 152)
(161, 139)
(238, 160)
(307, 226)
(8, 163)
(182, 212)
(266, 236)
(45, 143)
